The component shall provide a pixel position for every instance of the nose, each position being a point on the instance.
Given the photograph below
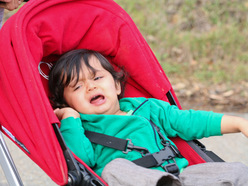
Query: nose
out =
(91, 85)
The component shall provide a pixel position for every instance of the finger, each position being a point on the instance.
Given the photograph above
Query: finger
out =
(2, 4)
(13, 4)
(58, 113)
(56, 110)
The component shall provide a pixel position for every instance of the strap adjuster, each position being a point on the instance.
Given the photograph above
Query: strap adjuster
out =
(131, 147)
(172, 168)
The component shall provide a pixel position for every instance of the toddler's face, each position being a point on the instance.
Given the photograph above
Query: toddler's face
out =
(93, 94)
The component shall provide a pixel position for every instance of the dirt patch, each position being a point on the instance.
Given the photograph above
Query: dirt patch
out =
(218, 98)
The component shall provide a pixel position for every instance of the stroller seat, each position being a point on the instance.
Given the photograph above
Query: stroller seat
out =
(35, 37)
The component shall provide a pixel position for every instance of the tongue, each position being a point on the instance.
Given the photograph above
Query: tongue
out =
(97, 100)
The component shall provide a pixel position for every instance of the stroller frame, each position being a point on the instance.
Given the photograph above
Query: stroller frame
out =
(8, 164)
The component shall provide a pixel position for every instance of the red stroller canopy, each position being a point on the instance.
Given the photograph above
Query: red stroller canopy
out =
(43, 30)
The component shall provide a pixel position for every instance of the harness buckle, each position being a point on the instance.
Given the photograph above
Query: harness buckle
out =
(166, 154)
(163, 155)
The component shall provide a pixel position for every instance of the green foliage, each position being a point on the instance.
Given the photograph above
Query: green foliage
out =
(204, 40)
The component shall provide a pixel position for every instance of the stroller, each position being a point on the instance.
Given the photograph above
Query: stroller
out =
(31, 41)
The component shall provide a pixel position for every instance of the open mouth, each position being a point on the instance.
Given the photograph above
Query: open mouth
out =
(98, 99)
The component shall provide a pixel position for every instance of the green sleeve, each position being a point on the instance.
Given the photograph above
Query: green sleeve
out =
(187, 124)
(73, 134)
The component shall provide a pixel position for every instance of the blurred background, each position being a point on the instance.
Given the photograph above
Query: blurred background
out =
(202, 47)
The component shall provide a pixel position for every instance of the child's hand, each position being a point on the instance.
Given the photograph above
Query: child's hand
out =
(66, 112)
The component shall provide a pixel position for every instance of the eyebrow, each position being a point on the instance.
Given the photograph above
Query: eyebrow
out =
(75, 80)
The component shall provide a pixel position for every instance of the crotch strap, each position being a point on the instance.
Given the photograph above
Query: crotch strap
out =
(167, 154)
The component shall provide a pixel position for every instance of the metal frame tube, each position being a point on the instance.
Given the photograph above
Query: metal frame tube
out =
(8, 165)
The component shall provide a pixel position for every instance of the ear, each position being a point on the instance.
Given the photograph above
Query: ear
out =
(118, 88)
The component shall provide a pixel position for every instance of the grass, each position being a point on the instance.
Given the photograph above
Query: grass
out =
(202, 40)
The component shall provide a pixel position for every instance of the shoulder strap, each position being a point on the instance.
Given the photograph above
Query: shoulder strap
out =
(106, 140)
(113, 142)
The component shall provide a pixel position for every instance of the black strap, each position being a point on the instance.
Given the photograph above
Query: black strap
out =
(147, 161)
(106, 140)
(113, 142)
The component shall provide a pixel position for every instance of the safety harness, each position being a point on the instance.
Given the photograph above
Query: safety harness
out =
(148, 160)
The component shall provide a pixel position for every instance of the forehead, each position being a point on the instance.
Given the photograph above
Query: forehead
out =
(92, 68)
(94, 63)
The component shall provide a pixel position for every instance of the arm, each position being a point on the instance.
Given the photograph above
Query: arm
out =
(190, 124)
(187, 124)
(233, 124)
(73, 133)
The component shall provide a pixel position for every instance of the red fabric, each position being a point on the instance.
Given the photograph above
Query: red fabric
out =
(43, 30)
(187, 152)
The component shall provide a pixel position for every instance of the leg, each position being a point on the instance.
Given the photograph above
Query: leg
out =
(215, 174)
(120, 172)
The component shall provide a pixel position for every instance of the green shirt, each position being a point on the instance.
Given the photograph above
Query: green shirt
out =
(187, 124)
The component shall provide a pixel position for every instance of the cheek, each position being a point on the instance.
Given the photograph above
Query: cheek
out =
(75, 104)
(70, 99)
(76, 100)
(65, 96)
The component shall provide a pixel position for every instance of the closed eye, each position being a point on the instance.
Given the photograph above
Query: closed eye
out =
(77, 87)
(97, 78)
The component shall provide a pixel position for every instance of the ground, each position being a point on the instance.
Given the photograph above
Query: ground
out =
(218, 98)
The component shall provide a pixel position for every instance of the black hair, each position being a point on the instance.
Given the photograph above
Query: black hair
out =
(69, 66)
